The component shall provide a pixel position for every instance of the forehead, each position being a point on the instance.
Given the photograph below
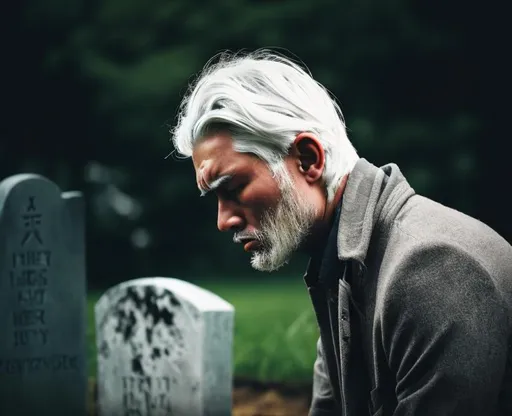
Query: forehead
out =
(215, 156)
(212, 149)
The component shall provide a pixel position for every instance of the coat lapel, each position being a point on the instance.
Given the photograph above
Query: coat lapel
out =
(353, 374)
(322, 278)
(345, 341)
(318, 299)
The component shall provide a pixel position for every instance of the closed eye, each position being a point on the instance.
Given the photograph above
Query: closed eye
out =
(231, 193)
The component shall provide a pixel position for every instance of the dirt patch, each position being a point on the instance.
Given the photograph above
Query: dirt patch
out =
(252, 398)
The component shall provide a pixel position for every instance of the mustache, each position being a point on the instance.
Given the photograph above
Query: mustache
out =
(243, 235)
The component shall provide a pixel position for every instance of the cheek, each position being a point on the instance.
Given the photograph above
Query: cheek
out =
(260, 199)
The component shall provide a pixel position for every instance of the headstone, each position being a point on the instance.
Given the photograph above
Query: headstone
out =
(164, 348)
(42, 299)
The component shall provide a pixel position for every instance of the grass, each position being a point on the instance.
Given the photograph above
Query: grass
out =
(275, 328)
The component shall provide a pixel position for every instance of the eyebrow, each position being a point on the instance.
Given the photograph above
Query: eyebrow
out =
(215, 184)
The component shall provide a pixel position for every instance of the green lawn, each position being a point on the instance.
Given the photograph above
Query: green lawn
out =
(275, 328)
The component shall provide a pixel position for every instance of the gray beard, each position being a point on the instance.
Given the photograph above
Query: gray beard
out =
(283, 229)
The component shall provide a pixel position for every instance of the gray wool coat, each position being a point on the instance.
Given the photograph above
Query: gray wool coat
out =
(414, 306)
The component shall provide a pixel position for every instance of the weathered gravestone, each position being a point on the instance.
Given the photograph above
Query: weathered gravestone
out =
(42, 299)
(164, 348)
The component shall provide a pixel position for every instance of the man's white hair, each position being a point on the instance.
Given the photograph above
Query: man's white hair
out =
(264, 100)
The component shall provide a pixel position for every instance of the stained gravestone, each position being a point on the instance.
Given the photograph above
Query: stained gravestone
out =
(42, 299)
(164, 348)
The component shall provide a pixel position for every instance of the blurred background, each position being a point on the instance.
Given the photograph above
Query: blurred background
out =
(90, 89)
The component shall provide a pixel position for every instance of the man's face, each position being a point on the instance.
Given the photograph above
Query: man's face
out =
(265, 213)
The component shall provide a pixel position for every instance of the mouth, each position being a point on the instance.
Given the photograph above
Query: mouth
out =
(251, 245)
(249, 242)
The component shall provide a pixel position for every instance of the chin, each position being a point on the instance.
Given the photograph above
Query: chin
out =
(266, 262)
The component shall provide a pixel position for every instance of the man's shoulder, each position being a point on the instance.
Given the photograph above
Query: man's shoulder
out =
(430, 241)
(430, 224)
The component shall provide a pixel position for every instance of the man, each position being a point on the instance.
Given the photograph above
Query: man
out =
(413, 299)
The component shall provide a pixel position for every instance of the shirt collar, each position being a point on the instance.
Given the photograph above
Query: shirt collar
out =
(322, 268)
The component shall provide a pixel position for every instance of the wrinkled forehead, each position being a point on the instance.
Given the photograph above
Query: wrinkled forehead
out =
(203, 173)
(203, 168)
(209, 150)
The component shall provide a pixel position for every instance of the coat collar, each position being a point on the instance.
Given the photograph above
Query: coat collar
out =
(323, 267)
(372, 199)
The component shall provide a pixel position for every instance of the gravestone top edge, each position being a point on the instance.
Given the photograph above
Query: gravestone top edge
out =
(8, 184)
(11, 181)
(203, 299)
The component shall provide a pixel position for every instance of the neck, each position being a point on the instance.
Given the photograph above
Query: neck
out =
(320, 231)
(330, 207)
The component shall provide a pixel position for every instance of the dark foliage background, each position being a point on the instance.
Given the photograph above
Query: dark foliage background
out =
(89, 89)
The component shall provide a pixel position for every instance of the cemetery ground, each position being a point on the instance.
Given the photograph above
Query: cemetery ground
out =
(274, 344)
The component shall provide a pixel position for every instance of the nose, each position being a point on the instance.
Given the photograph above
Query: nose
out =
(228, 219)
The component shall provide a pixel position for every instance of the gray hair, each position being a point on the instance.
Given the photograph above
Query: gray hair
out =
(264, 100)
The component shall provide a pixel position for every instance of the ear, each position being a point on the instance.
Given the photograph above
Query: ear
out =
(310, 156)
